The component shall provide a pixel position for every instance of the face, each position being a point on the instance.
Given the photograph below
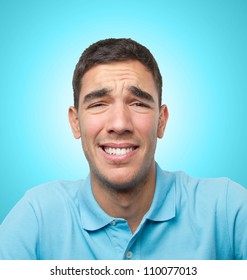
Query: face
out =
(118, 121)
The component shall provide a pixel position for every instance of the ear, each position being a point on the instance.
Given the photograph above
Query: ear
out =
(74, 122)
(162, 121)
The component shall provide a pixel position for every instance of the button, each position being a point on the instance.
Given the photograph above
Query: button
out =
(129, 255)
(113, 223)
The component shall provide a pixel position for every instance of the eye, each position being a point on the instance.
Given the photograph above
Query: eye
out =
(140, 104)
(96, 105)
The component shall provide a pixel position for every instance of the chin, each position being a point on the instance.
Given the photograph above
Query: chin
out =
(120, 186)
(120, 181)
(122, 178)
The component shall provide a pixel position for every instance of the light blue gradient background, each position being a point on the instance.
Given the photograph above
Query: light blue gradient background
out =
(201, 47)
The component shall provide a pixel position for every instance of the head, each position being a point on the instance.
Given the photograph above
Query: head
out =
(117, 112)
(114, 50)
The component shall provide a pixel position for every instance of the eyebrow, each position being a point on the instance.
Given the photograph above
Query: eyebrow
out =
(95, 94)
(136, 91)
(141, 94)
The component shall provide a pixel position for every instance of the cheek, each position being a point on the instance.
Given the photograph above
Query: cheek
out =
(147, 128)
(90, 128)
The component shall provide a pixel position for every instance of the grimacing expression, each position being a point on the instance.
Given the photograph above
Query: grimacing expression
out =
(119, 120)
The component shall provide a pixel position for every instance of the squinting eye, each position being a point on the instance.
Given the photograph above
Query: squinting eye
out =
(96, 105)
(140, 104)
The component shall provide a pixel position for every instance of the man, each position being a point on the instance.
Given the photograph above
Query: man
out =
(127, 208)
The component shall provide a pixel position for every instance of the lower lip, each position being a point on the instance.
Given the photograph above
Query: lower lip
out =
(118, 158)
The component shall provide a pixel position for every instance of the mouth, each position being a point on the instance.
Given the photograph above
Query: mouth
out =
(118, 150)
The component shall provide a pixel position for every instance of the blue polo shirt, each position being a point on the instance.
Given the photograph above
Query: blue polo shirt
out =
(188, 219)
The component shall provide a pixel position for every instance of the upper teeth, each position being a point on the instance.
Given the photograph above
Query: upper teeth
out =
(118, 151)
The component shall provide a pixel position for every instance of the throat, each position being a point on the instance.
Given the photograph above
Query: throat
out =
(129, 200)
(131, 204)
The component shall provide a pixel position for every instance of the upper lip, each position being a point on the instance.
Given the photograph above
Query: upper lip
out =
(118, 145)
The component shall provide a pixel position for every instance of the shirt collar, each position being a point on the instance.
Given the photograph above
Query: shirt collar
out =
(92, 215)
(162, 208)
(163, 205)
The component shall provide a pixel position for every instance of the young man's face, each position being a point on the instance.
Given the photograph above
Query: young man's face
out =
(119, 120)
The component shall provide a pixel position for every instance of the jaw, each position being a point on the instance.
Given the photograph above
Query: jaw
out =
(120, 165)
(122, 175)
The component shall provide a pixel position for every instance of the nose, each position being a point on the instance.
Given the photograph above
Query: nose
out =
(119, 120)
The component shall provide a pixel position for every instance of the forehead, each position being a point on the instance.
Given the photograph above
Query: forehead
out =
(130, 72)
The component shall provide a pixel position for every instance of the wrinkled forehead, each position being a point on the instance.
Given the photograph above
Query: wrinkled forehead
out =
(129, 72)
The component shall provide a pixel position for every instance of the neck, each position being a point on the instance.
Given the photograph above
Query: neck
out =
(131, 204)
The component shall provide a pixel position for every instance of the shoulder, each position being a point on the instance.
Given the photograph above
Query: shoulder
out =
(207, 185)
(207, 190)
(53, 193)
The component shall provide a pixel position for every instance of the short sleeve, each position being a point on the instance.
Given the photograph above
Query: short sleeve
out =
(237, 219)
(19, 233)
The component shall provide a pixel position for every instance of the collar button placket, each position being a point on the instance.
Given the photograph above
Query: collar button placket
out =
(129, 255)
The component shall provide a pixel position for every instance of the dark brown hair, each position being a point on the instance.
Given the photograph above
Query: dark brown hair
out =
(113, 50)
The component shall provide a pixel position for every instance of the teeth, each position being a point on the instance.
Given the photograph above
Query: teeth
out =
(118, 151)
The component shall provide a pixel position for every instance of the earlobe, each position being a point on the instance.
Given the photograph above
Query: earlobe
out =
(74, 122)
(162, 121)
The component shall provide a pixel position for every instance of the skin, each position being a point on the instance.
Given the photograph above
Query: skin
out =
(119, 109)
